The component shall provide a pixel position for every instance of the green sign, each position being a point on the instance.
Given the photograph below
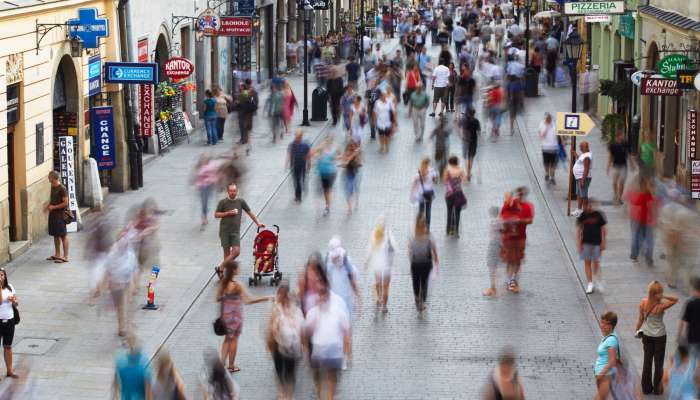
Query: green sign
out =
(672, 63)
(626, 26)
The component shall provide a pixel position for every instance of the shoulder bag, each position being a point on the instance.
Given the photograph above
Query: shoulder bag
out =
(68, 216)
(427, 194)
(219, 327)
(640, 332)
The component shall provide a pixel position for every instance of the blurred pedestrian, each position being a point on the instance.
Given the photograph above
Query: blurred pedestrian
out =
(352, 161)
(145, 225)
(441, 134)
(298, 154)
(168, 384)
(335, 89)
(454, 195)
(650, 325)
(220, 385)
(517, 214)
(308, 284)
(284, 340)
(326, 156)
(346, 105)
(353, 70)
(224, 105)
(582, 175)
(57, 208)
(418, 103)
(274, 108)
(8, 301)
(591, 234)
(412, 80)
(647, 150)
(247, 107)
(290, 102)
(121, 266)
(608, 354)
(451, 87)
(232, 295)
(466, 87)
(358, 119)
(471, 128)
(209, 114)
(689, 325)
(230, 210)
(642, 208)
(385, 120)
(206, 178)
(680, 239)
(132, 378)
(422, 190)
(380, 257)
(327, 334)
(680, 378)
(550, 147)
(503, 382)
(441, 76)
(494, 107)
(494, 249)
(342, 273)
(617, 162)
(514, 91)
(423, 255)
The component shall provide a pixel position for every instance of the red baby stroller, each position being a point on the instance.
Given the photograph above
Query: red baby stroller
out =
(266, 258)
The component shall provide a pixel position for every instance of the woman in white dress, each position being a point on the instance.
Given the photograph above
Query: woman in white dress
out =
(380, 257)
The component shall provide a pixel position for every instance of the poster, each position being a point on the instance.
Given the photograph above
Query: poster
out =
(67, 172)
(102, 119)
(146, 110)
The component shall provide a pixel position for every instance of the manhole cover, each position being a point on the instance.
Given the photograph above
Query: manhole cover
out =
(34, 346)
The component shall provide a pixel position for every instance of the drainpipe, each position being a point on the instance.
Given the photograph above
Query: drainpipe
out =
(134, 141)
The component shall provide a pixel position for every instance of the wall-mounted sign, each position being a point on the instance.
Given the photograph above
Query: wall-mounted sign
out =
(692, 127)
(142, 47)
(178, 68)
(88, 28)
(244, 7)
(39, 142)
(236, 26)
(208, 22)
(594, 7)
(121, 72)
(146, 109)
(686, 78)
(12, 97)
(94, 75)
(574, 124)
(626, 26)
(636, 78)
(66, 157)
(659, 87)
(102, 124)
(605, 18)
(668, 65)
(695, 179)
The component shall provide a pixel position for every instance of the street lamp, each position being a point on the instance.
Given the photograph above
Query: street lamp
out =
(307, 11)
(573, 46)
(528, 7)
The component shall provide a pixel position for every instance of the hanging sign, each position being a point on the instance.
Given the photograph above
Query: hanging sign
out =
(88, 28)
(574, 124)
(636, 78)
(244, 7)
(686, 78)
(321, 4)
(594, 7)
(94, 75)
(102, 124)
(236, 26)
(125, 72)
(659, 87)
(178, 68)
(697, 81)
(605, 18)
(692, 125)
(695, 179)
(67, 172)
(668, 65)
(146, 109)
(208, 22)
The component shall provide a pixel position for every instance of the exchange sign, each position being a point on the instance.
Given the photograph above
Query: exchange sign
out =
(121, 72)
(178, 68)
(660, 87)
(594, 7)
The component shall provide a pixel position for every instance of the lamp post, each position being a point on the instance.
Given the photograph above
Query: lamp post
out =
(528, 7)
(307, 11)
(391, 12)
(362, 31)
(573, 46)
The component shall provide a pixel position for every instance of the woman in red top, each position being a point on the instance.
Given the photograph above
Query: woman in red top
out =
(412, 81)
(642, 205)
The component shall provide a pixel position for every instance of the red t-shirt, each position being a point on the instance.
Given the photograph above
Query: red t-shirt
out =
(511, 216)
(642, 208)
(495, 97)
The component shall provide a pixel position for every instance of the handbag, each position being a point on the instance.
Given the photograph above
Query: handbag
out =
(427, 194)
(460, 199)
(68, 216)
(640, 332)
(219, 327)
(15, 313)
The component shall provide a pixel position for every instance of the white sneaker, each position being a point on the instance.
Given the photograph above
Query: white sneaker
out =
(589, 288)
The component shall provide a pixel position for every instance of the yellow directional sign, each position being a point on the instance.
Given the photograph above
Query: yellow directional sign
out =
(574, 124)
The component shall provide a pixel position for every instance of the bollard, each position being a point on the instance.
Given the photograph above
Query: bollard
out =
(151, 290)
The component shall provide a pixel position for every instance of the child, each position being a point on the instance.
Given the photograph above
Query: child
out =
(264, 263)
(494, 249)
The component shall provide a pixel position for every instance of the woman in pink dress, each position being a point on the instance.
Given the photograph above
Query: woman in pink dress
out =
(290, 101)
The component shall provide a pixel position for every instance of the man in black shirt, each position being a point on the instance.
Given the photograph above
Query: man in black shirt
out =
(591, 238)
(298, 158)
(470, 139)
(689, 329)
(617, 162)
(353, 70)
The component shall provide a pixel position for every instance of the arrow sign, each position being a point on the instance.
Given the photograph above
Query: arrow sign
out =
(574, 124)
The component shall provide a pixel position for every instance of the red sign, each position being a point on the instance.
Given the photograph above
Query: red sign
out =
(178, 68)
(236, 26)
(146, 109)
(660, 87)
(692, 121)
(143, 50)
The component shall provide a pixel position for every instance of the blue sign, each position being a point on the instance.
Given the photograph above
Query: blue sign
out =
(94, 75)
(244, 7)
(88, 28)
(103, 145)
(141, 73)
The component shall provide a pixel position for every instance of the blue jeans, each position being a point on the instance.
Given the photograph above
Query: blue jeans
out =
(642, 235)
(204, 194)
(210, 125)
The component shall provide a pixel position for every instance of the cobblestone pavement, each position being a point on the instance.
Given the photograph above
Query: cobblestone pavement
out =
(449, 354)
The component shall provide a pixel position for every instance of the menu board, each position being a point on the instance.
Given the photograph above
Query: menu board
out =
(176, 123)
(165, 138)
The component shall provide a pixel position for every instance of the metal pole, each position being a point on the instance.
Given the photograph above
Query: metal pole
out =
(527, 35)
(572, 187)
(305, 112)
(391, 8)
(362, 31)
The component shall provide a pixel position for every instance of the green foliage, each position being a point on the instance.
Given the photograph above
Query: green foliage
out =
(612, 123)
(618, 91)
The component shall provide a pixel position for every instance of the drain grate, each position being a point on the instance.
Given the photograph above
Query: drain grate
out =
(34, 346)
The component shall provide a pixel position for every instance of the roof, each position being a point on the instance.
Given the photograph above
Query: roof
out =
(671, 18)
(6, 5)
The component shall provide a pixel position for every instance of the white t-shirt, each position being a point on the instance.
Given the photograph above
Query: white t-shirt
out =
(579, 167)
(441, 75)
(328, 323)
(383, 110)
(459, 34)
(6, 305)
(366, 43)
(549, 141)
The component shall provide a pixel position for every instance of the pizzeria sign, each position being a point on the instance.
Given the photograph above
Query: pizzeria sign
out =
(594, 7)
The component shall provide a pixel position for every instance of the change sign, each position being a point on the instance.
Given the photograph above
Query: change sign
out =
(102, 123)
(659, 87)
(594, 7)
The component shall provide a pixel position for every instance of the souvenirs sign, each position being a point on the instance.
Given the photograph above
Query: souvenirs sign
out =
(178, 68)
(659, 87)
(668, 65)
(594, 7)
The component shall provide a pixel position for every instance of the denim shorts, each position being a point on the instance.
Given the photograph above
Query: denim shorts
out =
(582, 190)
(590, 252)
